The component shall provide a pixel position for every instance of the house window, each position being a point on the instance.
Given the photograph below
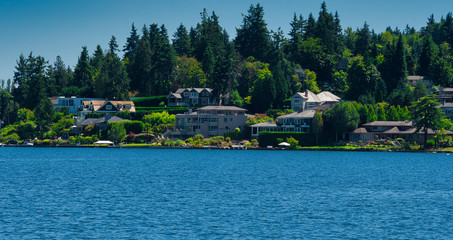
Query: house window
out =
(127, 106)
(193, 94)
(296, 100)
(186, 94)
(225, 120)
(213, 128)
(108, 107)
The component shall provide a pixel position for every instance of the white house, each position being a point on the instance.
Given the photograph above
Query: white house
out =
(302, 101)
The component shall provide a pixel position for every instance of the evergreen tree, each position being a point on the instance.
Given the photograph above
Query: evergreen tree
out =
(97, 60)
(131, 43)
(399, 62)
(419, 90)
(253, 38)
(181, 41)
(60, 75)
(296, 36)
(31, 79)
(426, 115)
(363, 41)
(43, 113)
(310, 29)
(112, 82)
(326, 29)
(427, 57)
(140, 68)
(83, 74)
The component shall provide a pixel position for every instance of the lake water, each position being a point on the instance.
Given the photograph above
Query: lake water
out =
(67, 193)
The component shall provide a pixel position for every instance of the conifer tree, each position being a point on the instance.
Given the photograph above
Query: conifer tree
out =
(131, 43)
(181, 41)
(83, 74)
(253, 37)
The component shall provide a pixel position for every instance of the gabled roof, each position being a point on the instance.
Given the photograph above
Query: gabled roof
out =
(267, 124)
(304, 114)
(388, 124)
(97, 104)
(222, 108)
(181, 90)
(175, 95)
(198, 90)
(360, 130)
(326, 96)
(393, 130)
(309, 95)
(105, 119)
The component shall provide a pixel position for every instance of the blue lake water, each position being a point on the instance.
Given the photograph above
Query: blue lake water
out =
(67, 193)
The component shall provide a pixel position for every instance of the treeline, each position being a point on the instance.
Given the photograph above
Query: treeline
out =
(258, 68)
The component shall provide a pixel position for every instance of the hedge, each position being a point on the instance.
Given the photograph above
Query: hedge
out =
(270, 138)
(133, 126)
(149, 101)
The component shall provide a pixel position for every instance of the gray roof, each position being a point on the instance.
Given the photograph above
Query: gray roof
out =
(309, 95)
(267, 124)
(393, 130)
(360, 130)
(304, 114)
(388, 124)
(176, 95)
(414, 77)
(222, 108)
(326, 96)
(199, 90)
(105, 119)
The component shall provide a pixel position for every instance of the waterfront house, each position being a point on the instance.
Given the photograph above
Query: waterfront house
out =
(293, 122)
(390, 130)
(99, 123)
(104, 106)
(199, 97)
(209, 121)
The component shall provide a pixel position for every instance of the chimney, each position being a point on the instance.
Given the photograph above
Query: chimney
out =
(306, 93)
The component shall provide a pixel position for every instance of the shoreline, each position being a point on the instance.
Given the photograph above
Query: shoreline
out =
(217, 148)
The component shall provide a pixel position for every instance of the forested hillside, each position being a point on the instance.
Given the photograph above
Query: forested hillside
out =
(258, 67)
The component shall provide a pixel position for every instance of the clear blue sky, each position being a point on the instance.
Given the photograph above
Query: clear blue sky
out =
(57, 27)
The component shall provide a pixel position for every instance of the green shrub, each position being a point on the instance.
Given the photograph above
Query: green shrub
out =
(10, 137)
(430, 143)
(134, 126)
(149, 101)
